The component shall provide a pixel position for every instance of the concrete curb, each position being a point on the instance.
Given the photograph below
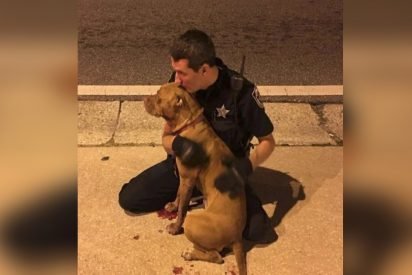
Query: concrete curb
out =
(291, 94)
(117, 123)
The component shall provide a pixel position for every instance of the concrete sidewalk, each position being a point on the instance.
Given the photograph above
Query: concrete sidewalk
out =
(310, 233)
(118, 139)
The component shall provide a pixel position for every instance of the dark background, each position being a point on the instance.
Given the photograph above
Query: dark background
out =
(294, 42)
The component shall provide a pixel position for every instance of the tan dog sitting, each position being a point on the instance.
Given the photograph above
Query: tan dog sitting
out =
(222, 222)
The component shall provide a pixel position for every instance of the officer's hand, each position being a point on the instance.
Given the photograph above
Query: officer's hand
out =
(235, 177)
(190, 153)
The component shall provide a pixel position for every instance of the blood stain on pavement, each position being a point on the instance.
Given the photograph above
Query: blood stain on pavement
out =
(164, 214)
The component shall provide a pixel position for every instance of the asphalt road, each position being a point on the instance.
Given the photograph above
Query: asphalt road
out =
(294, 42)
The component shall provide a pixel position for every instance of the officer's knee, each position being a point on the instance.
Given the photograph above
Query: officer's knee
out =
(127, 201)
(124, 201)
(136, 201)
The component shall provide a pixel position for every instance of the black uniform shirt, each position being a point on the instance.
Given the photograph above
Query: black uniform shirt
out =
(236, 116)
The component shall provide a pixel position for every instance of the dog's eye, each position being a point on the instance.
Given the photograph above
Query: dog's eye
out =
(179, 101)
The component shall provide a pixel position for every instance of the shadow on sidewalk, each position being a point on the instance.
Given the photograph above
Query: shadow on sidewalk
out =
(275, 186)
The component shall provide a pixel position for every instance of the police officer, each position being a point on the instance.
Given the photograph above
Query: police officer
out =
(236, 114)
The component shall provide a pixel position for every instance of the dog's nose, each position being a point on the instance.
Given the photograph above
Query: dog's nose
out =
(147, 101)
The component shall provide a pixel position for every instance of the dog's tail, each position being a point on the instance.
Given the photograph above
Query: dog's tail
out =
(240, 255)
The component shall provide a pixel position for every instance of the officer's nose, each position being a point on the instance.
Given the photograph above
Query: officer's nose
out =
(178, 80)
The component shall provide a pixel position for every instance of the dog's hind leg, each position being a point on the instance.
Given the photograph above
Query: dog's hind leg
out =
(201, 254)
(240, 256)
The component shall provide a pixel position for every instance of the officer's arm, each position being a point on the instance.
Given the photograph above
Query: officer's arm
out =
(167, 139)
(262, 151)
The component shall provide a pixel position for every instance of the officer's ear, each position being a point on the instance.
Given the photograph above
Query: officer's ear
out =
(203, 69)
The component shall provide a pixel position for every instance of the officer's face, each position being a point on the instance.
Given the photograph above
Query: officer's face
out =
(191, 80)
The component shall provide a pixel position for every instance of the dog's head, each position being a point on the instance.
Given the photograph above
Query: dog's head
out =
(173, 103)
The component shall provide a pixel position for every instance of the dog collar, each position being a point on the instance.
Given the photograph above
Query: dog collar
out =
(186, 125)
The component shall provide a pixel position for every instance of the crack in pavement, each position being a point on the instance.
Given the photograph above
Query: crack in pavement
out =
(111, 141)
(319, 111)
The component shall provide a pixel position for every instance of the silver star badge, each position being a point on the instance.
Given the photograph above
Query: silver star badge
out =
(222, 111)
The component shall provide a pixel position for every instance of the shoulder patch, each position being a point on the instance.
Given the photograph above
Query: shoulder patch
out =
(256, 96)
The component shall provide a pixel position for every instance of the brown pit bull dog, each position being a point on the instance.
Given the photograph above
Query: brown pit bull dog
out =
(222, 222)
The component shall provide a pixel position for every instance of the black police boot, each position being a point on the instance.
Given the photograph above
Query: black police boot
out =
(258, 227)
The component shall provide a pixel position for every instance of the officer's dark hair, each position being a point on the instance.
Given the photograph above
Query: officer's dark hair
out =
(195, 46)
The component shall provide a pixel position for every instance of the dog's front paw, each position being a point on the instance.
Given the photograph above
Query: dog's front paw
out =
(171, 207)
(174, 229)
(187, 254)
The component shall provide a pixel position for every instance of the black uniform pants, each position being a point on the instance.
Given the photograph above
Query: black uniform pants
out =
(157, 185)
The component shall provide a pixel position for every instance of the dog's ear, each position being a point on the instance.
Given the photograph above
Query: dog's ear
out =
(179, 101)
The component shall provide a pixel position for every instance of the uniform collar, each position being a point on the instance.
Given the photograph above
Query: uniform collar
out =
(216, 85)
